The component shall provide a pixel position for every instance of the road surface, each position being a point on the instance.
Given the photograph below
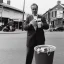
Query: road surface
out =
(13, 47)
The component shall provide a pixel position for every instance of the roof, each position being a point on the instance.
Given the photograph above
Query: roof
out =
(53, 8)
(62, 5)
(8, 6)
(46, 11)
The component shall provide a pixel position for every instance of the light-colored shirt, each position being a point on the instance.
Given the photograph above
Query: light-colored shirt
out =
(35, 17)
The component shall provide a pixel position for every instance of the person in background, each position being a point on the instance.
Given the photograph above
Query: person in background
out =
(34, 26)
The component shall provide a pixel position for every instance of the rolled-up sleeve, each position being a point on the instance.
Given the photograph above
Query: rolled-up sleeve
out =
(26, 25)
(45, 25)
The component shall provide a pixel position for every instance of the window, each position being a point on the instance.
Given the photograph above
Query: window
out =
(55, 13)
(63, 22)
(59, 13)
(63, 13)
(52, 13)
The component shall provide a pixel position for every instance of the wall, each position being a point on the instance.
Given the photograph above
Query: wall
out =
(11, 14)
(59, 9)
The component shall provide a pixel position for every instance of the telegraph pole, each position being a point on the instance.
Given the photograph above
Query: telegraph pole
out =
(23, 14)
(1, 10)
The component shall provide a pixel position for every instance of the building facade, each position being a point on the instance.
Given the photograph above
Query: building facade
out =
(7, 13)
(55, 15)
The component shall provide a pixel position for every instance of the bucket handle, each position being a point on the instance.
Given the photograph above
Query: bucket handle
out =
(48, 52)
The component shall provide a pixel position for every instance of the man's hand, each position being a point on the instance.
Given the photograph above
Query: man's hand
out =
(33, 22)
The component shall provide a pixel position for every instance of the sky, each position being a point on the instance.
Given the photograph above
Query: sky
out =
(43, 5)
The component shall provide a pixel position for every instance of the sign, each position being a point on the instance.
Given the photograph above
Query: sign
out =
(59, 13)
(18, 20)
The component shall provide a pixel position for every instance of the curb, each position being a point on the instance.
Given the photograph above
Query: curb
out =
(16, 32)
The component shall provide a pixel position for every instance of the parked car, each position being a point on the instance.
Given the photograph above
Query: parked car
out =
(58, 29)
(1, 27)
(51, 30)
(6, 28)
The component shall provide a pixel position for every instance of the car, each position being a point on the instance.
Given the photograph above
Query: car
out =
(6, 28)
(58, 29)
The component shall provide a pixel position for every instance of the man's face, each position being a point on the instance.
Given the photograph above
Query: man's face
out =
(34, 9)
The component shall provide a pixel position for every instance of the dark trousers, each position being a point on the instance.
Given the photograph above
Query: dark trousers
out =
(29, 56)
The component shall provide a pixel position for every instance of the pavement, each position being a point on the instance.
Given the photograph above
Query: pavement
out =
(17, 31)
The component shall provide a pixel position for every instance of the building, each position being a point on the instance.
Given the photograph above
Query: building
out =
(55, 15)
(7, 13)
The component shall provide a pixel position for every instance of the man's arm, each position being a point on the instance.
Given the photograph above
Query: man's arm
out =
(27, 25)
(44, 23)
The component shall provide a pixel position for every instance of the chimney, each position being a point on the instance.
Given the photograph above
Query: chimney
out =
(58, 2)
(8, 2)
(1, 1)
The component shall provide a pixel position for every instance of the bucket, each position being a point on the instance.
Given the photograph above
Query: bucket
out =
(44, 54)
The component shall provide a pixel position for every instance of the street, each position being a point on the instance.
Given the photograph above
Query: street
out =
(56, 39)
(13, 47)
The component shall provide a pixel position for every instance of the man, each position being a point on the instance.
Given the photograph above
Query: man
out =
(34, 26)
